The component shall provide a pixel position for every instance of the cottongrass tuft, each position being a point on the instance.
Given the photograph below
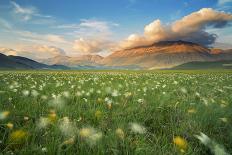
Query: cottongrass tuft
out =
(67, 127)
(214, 147)
(4, 114)
(90, 135)
(137, 128)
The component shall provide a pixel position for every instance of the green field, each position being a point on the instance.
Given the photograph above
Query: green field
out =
(115, 112)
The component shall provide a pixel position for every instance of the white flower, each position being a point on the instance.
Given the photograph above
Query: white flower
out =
(34, 93)
(25, 92)
(136, 128)
(203, 138)
(67, 127)
(43, 122)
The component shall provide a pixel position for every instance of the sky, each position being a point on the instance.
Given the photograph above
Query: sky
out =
(41, 29)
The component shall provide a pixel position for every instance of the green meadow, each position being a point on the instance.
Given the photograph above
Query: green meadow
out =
(116, 112)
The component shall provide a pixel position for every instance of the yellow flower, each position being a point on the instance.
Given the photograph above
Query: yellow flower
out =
(18, 137)
(192, 110)
(4, 114)
(98, 114)
(69, 141)
(181, 143)
(109, 105)
(99, 100)
(119, 132)
(52, 116)
(10, 125)
(85, 132)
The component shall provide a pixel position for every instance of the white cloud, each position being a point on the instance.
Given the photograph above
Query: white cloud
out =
(222, 2)
(190, 28)
(5, 24)
(36, 52)
(49, 38)
(27, 13)
(91, 46)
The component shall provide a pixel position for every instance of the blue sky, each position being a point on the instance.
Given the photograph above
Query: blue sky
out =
(96, 25)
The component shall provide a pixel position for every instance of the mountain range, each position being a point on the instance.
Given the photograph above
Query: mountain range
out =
(161, 55)
(17, 62)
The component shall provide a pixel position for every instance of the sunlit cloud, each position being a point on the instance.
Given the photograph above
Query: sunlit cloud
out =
(36, 52)
(190, 28)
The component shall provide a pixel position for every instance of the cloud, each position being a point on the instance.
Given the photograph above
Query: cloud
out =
(49, 38)
(90, 28)
(222, 2)
(90, 46)
(36, 52)
(26, 13)
(93, 35)
(5, 24)
(190, 28)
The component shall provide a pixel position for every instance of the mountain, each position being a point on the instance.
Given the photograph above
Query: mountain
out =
(205, 65)
(17, 62)
(165, 54)
(84, 60)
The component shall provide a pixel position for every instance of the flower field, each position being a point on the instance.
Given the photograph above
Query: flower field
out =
(115, 112)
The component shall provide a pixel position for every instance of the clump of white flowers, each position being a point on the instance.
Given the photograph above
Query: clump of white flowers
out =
(214, 147)
(90, 135)
(137, 128)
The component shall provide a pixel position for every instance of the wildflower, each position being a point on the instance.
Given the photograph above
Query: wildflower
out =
(67, 127)
(34, 93)
(69, 141)
(109, 105)
(57, 102)
(183, 90)
(4, 114)
(192, 110)
(224, 119)
(136, 128)
(26, 118)
(119, 132)
(52, 116)
(44, 149)
(25, 92)
(181, 143)
(18, 137)
(98, 114)
(212, 145)
(43, 122)
(10, 125)
(115, 93)
(85, 132)
(90, 135)
(140, 100)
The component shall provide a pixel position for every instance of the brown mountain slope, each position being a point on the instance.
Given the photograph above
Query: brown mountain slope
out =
(74, 61)
(165, 54)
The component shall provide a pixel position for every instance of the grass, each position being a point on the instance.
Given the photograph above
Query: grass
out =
(114, 112)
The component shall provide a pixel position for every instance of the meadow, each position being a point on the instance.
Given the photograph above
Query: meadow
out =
(116, 112)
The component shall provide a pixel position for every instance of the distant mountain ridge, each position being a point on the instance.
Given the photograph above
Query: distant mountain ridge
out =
(84, 60)
(18, 62)
(161, 55)
(165, 54)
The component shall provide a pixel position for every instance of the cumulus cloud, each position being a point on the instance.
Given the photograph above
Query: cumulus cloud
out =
(94, 35)
(91, 45)
(36, 52)
(190, 28)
